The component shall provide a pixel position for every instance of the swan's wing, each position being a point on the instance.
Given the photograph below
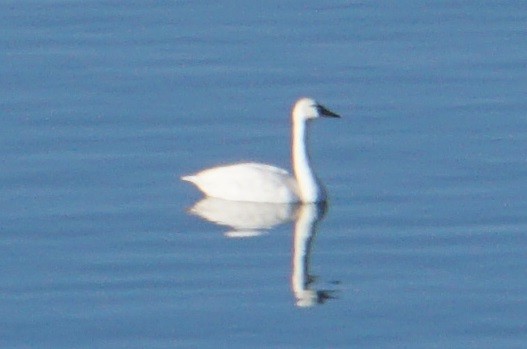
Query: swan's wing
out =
(247, 182)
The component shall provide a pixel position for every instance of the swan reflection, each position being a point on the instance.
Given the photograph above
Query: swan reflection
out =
(247, 219)
(308, 217)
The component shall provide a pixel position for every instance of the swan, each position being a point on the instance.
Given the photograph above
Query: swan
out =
(255, 182)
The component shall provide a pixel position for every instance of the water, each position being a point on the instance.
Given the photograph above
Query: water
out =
(104, 106)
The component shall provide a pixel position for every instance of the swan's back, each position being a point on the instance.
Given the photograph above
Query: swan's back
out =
(247, 182)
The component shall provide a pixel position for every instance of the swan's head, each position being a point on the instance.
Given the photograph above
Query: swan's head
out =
(307, 109)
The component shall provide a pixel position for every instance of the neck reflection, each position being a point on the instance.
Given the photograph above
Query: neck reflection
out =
(308, 217)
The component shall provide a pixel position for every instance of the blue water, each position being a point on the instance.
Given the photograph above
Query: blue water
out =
(104, 105)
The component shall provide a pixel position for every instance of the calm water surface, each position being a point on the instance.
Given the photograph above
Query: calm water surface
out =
(103, 106)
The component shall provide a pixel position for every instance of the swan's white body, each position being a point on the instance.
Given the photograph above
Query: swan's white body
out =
(247, 182)
(265, 183)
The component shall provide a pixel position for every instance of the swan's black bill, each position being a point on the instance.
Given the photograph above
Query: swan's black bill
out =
(326, 112)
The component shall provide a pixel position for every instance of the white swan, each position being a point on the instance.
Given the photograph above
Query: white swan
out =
(256, 182)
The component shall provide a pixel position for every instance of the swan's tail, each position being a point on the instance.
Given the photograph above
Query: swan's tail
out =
(188, 179)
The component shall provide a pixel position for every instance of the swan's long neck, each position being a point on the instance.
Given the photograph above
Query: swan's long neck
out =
(310, 190)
